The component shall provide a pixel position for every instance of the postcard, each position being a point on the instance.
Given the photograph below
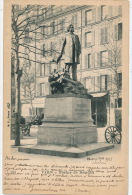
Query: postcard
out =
(66, 73)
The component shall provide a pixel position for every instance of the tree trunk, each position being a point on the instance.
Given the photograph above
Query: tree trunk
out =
(18, 113)
(18, 103)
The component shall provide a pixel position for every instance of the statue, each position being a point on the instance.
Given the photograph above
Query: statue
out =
(60, 81)
(72, 48)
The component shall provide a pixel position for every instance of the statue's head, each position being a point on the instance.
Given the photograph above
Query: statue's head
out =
(70, 28)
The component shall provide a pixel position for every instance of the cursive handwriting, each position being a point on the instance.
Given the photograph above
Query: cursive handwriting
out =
(21, 173)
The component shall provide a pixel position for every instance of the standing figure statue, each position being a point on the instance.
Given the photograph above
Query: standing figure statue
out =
(72, 48)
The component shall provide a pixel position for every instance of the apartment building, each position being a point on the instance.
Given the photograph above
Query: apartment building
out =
(100, 32)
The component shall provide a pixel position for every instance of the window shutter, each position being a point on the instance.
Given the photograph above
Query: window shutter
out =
(84, 18)
(43, 31)
(38, 90)
(93, 37)
(83, 40)
(119, 60)
(106, 35)
(110, 58)
(56, 27)
(47, 69)
(82, 80)
(92, 84)
(97, 83)
(51, 45)
(110, 11)
(46, 31)
(43, 50)
(120, 9)
(38, 69)
(72, 20)
(46, 88)
(75, 20)
(98, 60)
(62, 25)
(114, 81)
(116, 31)
(101, 35)
(109, 82)
(86, 60)
(93, 60)
(99, 13)
(94, 15)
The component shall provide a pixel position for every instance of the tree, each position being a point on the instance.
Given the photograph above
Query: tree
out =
(28, 84)
(29, 27)
(110, 57)
(112, 43)
(23, 25)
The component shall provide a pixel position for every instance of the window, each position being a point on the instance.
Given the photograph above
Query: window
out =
(43, 50)
(26, 60)
(49, 11)
(119, 31)
(104, 35)
(42, 89)
(44, 31)
(74, 21)
(97, 83)
(118, 104)
(119, 80)
(56, 27)
(61, 26)
(104, 13)
(26, 91)
(89, 60)
(88, 83)
(104, 58)
(43, 12)
(51, 48)
(42, 69)
(27, 39)
(52, 28)
(88, 38)
(103, 82)
(88, 16)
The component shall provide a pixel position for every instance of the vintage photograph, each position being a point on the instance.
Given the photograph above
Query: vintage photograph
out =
(67, 87)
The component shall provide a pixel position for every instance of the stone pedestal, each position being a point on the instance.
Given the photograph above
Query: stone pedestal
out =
(67, 121)
(67, 129)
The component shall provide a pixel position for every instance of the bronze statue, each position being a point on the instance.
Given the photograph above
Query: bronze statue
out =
(72, 48)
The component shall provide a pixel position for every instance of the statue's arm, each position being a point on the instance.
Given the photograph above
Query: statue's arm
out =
(63, 46)
(61, 50)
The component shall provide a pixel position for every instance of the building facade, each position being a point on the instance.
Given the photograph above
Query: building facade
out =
(100, 70)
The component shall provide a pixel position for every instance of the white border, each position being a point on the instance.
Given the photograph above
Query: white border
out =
(130, 104)
(1, 97)
(1, 90)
